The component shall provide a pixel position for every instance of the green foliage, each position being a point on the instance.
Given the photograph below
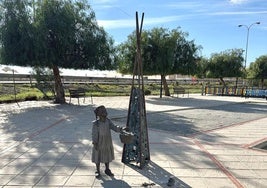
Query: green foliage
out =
(28, 92)
(71, 37)
(164, 52)
(63, 33)
(16, 33)
(202, 67)
(24, 92)
(52, 33)
(126, 55)
(147, 92)
(258, 69)
(44, 81)
(226, 64)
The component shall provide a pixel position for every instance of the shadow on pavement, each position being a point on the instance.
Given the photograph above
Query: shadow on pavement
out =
(51, 141)
(43, 142)
(159, 176)
(113, 182)
(190, 116)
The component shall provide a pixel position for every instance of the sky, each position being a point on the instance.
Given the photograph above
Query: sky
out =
(213, 24)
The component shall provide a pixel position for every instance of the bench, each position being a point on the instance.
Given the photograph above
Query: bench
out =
(258, 93)
(78, 93)
(178, 90)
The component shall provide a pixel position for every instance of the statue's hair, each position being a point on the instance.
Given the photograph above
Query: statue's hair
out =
(96, 111)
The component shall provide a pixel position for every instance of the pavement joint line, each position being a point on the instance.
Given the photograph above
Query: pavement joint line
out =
(192, 108)
(36, 133)
(46, 174)
(168, 132)
(174, 143)
(193, 136)
(31, 136)
(226, 126)
(60, 141)
(189, 142)
(220, 144)
(243, 176)
(10, 147)
(179, 109)
(221, 167)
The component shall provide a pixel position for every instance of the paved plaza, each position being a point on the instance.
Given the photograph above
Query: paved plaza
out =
(197, 141)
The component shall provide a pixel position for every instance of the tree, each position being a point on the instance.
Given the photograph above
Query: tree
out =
(59, 34)
(226, 64)
(258, 69)
(202, 67)
(16, 33)
(164, 52)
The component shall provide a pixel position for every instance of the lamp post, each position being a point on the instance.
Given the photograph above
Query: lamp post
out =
(248, 28)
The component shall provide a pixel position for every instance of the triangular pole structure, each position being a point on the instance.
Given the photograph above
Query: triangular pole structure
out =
(138, 150)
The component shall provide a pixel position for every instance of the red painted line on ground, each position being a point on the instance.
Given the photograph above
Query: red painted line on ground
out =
(46, 128)
(224, 127)
(31, 136)
(178, 143)
(64, 142)
(50, 126)
(255, 143)
(221, 144)
(168, 132)
(222, 168)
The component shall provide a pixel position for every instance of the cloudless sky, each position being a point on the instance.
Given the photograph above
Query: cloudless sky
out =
(213, 24)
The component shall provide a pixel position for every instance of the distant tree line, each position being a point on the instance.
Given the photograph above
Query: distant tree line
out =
(65, 34)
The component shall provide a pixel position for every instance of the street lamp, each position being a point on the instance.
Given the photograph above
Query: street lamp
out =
(248, 28)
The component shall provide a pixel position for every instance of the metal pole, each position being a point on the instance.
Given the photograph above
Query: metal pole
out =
(248, 28)
(247, 48)
(161, 77)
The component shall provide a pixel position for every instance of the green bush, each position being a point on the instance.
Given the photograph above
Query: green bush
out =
(147, 92)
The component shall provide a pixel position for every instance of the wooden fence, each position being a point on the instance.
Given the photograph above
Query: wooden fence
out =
(236, 91)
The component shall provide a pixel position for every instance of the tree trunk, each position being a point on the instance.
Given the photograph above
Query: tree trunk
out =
(224, 85)
(59, 90)
(223, 82)
(236, 82)
(165, 86)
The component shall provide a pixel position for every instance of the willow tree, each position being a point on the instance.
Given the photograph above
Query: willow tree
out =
(164, 52)
(54, 34)
(16, 33)
(227, 63)
(258, 69)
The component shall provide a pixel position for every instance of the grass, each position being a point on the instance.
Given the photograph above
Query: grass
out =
(31, 92)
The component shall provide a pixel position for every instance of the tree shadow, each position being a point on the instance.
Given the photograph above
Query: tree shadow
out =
(191, 116)
(42, 143)
(205, 102)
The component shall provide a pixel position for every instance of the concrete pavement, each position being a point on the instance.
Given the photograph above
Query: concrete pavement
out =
(199, 141)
